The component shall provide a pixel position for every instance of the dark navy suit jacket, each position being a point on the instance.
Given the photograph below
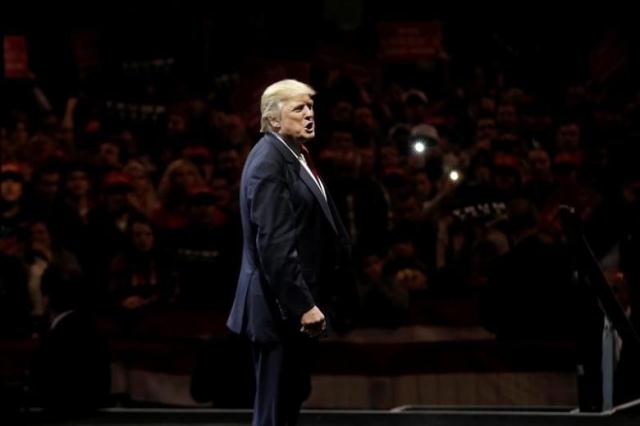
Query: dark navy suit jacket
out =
(296, 251)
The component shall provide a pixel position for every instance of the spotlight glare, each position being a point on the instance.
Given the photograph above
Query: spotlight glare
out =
(419, 147)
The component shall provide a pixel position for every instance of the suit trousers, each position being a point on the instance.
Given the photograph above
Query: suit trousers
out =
(283, 379)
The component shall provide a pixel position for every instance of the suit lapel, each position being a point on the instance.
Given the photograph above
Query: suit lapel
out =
(306, 178)
(313, 187)
(286, 154)
(341, 230)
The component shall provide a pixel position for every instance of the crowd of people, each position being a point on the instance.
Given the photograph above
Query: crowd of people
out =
(449, 184)
(449, 187)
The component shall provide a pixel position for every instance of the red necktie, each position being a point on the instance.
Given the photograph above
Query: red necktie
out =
(307, 158)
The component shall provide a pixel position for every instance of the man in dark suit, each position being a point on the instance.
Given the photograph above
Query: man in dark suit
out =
(71, 370)
(294, 279)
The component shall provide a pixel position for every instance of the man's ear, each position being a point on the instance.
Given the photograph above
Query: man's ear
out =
(274, 122)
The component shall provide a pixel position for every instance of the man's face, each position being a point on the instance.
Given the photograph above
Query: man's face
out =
(40, 234)
(341, 140)
(390, 157)
(229, 162)
(109, 154)
(539, 163)
(48, 185)
(367, 160)
(78, 183)
(486, 129)
(423, 184)
(139, 180)
(372, 266)
(185, 177)
(10, 189)
(505, 180)
(176, 124)
(415, 112)
(221, 192)
(364, 119)
(116, 201)
(409, 210)
(142, 237)
(296, 119)
(202, 214)
(342, 112)
(507, 116)
(22, 132)
(568, 136)
(404, 249)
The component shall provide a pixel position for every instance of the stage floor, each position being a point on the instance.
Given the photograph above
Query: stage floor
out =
(629, 414)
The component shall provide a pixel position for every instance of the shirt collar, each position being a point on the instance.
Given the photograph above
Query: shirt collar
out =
(281, 139)
(59, 318)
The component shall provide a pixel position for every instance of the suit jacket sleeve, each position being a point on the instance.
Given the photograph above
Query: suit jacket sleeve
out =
(272, 214)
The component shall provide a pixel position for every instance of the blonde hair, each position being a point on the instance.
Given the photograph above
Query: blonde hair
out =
(146, 202)
(167, 188)
(277, 93)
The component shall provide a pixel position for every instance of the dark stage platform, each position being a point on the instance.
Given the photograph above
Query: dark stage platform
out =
(628, 414)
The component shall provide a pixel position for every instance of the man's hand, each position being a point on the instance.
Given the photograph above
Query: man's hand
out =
(313, 322)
